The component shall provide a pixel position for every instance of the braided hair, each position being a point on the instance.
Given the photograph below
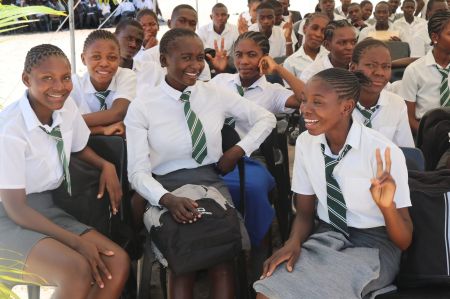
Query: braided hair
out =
(99, 34)
(39, 53)
(171, 36)
(437, 22)
(365, 45)
(333, 25)
(259, 39)
(314, 15)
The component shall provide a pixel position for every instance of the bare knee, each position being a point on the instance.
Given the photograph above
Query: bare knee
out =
(75, 275)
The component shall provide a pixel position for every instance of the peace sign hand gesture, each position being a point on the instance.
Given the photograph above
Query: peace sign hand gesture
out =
(383, 186)
(220, 60)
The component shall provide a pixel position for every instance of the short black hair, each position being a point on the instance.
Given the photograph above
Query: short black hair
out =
(219, 5)
(275, 4)
(146, 12)
(97, 35)
(412, 1)
(253, 1)
(365, 2)
(431, 3)
(382, 2)
(259, 38)
(177, 9)
(171, 36)
(39, 53)
(364, 45)
(125, 23)
(265, 5)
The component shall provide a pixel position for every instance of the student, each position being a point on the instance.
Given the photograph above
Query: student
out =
(37, 135)
(149, 22)
(362, 202)
(393, 6)
(376, 107)
(218, 29)
(143, 4)
(355, 16)
(366, 9)
(425, 81)
(288, 14)
(104, 92)
(280, 42)
(342, 10)
(168, 151)
(125, 10)
(339, 40)
(183, 16)
(250, 16)
(312, 48)
(408, 22)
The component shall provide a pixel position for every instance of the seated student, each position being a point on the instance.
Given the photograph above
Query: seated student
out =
(366, 9)
(183, 16)
(376, 107)
(250, 16)
(37, 135)
(420, 43)
(355, 16)
(149, 22)
(425, 81)
(169, 151)
(104, 92)
(288, 14)
(280, 42)
(362, 202)
(281, 23)
(312, 47)
(407, 24)
(125, 10)
(393, 15)
(342, 9)
(218, 29)
(143, 4)
(382, 24)
(339, 40)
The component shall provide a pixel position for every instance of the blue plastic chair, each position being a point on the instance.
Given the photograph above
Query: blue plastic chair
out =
(414, 158)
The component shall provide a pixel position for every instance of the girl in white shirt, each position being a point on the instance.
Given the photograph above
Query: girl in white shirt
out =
(160, 142)
(378, 108)
(37, 135)
(105, 91)
(362, 202)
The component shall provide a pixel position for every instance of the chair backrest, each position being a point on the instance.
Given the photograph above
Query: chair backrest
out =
(398, 49)
(397, 73)
(414, 158)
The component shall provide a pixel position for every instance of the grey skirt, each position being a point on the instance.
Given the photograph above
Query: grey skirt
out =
(17, 242)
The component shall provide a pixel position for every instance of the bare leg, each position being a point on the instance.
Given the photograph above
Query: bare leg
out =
(222, 279)
(181, 286)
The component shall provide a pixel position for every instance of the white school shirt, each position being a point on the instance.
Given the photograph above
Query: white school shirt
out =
(420, 41)
(159, 116)
(318, 65)
(364, 33)
(122, 86)
(276, 40)
(148, 75)
(29, 158)
(153, 54)
(208, 36)
(293, 36)
(406, 28)
(139, 4)
(299, 61)
(421, 83)
(125, 7)
(390, 119)
(338, 10)
(353, 174)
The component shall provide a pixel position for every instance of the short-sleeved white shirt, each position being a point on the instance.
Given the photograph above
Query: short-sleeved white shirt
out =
(318, 65)
(29, 158)
(208, 36)
(364, 33)
(353, 174)
(390, 119)
(299, 61)
(122, 86)
(276, 40)
(421, 84)
(406, 28)
(420, 41)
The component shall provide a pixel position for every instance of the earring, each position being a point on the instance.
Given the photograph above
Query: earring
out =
(435, 42)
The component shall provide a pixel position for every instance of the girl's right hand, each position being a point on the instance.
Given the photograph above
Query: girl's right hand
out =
(92, 254)
(183, 210)
(289, 252)
(242, 25)
(151, 41)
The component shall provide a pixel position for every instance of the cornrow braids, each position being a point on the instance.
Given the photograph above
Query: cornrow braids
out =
(437, 22)
(332, 26)
(314, 15)
(99, 34)
(259, 39)
(39, 53)
(125, 23)
(346, 84)
(146, 12)
(364, 45)
(171, 36)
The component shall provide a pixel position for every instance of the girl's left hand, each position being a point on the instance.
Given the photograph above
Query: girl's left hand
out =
(267, 65)
(383, 186)
(287, 28)
(229, 159)
(110, 181)
(220, 60)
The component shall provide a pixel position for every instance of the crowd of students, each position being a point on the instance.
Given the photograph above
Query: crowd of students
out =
(171, 98)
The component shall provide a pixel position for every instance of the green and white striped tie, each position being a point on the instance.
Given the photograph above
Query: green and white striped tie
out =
(444, 92)
(367, 113)
(337, 210)
(230, 120)
(55, 133)
(101, 97)
(198, 137)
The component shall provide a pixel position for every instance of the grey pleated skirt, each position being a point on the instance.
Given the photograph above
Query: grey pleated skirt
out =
(17, 242)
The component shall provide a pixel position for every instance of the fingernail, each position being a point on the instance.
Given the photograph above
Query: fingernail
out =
(99, 196)
(102, 286)
(109, 277)
(261, 277)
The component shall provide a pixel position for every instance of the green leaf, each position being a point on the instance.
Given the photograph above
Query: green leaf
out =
(11, 15)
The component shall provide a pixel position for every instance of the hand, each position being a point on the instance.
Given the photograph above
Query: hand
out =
(183, 210)
(92, 254)
(383, 186)
(289, 252)
(151, 41)
(287, 28)
(229, 159)
(242, 25)
(110, 181)
(220, 60)
(117, 128)
(267, 65)
(395, 39)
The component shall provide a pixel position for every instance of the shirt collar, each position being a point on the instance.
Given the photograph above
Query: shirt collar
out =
(172, 92)
(300, 53)
(261, 82)
(31, 120)
(430, 61)
(353, 138)
(211, 28)
(384, 98)
(90, 89)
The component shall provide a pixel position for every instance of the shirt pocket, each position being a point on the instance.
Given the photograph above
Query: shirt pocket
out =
(357, 195)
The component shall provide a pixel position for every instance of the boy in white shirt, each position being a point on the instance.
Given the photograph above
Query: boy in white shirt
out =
(342, 10)
(408, 22)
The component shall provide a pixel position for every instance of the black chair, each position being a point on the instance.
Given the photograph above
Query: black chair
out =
(397, 73)
(398, 49)
(414, 158)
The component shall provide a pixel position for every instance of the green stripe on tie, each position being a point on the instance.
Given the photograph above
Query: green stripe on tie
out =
(337, 209)
(198, 137)
(55, 133)
(367, 113)
(444, 92)
(101, 97)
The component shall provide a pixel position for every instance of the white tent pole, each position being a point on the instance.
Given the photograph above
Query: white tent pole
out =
(67, 17)
(72, 36)
(196, 9)
(109, 17)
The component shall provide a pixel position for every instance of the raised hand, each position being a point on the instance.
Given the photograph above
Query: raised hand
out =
(242, 25)
(267, 65)
(220, 60)
(287, 29)
(383, 186)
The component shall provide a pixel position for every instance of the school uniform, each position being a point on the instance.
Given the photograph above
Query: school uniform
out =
(420, 43)
(208, 36)
(394, 17)
(337, 17)
(30, 161)
(297, 62)
(390, 119)
(143, 4)
(294, 16)
(364, 33)
(318, 65)
(153, 54)
(276, 40)
(371, 260)
(122, 86)
(338, 10)
(421, 84)
(148, 75)
(408, 29)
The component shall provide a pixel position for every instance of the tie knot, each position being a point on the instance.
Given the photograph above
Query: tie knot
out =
(185, 96)
(444, 72)
(102, 94)
(55, 132)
